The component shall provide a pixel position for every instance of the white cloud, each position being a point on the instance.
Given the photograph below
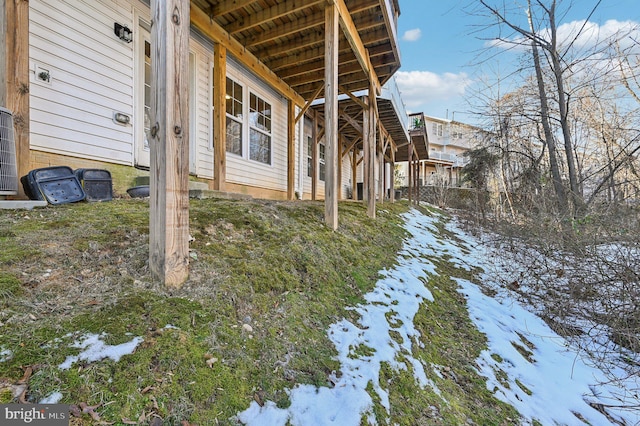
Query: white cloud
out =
(421, 87)
(412, 35)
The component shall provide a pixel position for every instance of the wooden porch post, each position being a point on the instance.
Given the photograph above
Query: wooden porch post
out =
(410, 182)
(417, 180)
(366, 139)
(392, 172)
(14, 76)
(169, 203)
(370, 168)
(331, 115)
(354, 173)
(314, 158)
(381, 183)
(291, 150)
(340, 154)
(219, 117)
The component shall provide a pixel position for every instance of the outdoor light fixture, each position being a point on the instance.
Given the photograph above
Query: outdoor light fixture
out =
(123, 32)
(121, 118)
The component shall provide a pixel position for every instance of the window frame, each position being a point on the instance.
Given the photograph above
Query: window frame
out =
(309, 156)
(229, 116)
(321, 161)
(256, 128)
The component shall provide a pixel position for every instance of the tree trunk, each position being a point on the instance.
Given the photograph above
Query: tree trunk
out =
(548, 135)
(576, 194)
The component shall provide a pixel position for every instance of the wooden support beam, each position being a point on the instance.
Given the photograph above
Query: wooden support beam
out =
(331, 116)
(370, 167)
(14, 77)
(307, 105)
(169, 186)
(219, 117)
(366, 153)
(346, 117)
(351, 145)
(340, 153)
(268, 15)
(314, 158)
(410, 171)
(381, 180)
(227, 6)
(354, 98)
(291, 150)
(285, 30)
(392, 180)
(354, 174)
(217, 34)
(351, 32)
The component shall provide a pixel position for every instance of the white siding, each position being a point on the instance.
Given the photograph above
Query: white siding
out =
(204, 155)
(91, 78)
(346, 176)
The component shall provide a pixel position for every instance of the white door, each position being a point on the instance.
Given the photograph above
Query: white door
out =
(143, 96)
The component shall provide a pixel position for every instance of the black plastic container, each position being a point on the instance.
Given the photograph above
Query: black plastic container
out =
(96, 183)
(56, 185)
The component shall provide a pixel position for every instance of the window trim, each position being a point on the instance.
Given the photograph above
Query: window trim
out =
(251, 127)
(241, 121)
(322, 161)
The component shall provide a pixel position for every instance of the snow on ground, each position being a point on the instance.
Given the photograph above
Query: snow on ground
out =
(546, 381)
(95, 349)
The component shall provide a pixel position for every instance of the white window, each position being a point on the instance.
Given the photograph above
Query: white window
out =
(234, 117)
(309, 156)
(321, 156)
(259, 129)
(437, 129)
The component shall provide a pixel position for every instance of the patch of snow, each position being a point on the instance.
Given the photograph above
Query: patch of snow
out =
(5, 355)
(53, 398)
(389, 310)
(561, 380)
(557, 381)
(95, 349)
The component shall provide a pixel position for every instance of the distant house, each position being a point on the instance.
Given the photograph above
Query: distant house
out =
(448, 141)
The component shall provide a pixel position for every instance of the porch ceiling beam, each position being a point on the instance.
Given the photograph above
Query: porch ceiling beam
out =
(304, 45)
(270, 14)
(285, 30)
(227, 6)
(316, 56)
(210, 28)
(307, 22)
(312, 77)
(351, 32)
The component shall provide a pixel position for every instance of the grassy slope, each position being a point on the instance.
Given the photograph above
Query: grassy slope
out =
(274, 266)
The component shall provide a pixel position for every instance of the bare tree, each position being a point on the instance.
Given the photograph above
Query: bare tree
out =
(542, 36)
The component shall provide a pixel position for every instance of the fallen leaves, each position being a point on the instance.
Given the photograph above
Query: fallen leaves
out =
(17, 391)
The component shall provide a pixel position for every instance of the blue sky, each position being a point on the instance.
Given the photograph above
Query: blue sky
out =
(439, 45)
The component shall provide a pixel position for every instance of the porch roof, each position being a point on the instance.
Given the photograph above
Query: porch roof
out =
(287, 37)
